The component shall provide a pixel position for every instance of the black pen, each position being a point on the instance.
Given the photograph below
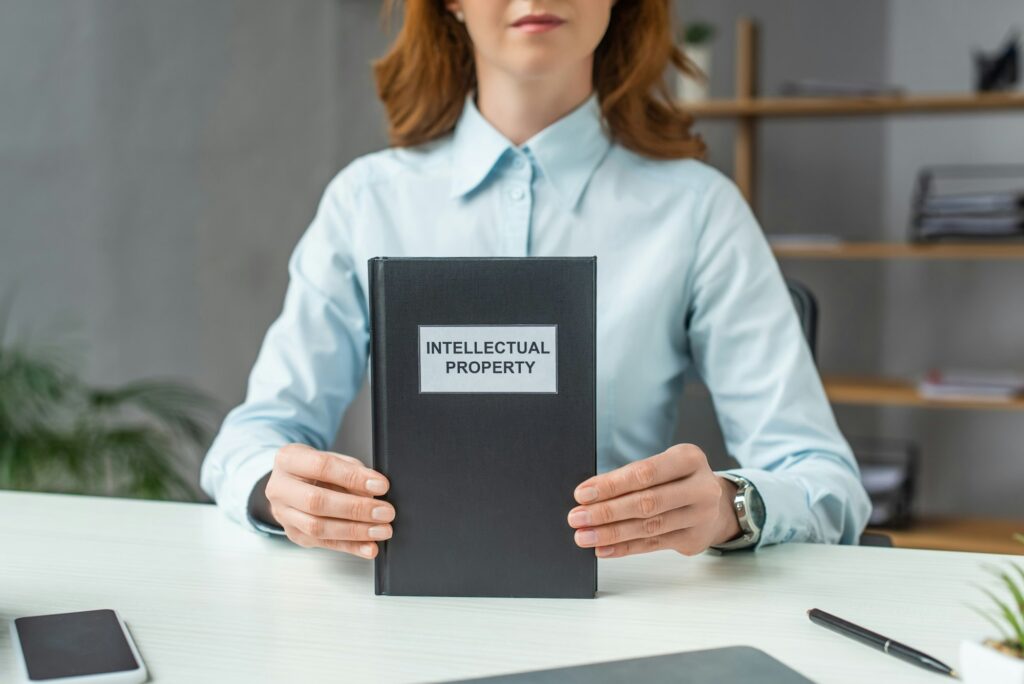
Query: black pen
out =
(877, 641)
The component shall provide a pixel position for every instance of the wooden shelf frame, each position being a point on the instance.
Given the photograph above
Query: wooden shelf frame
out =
(857, 390)
(988, 251)
(777, 107)
(980, 535)
(747, 108)
(869, 391)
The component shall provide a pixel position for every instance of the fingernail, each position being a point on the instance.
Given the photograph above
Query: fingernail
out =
(381, 513)
(375, 485)
(586, 537)
(603, 550)
(366, 550)
(379, 532)
(579, 518)
(586, 494)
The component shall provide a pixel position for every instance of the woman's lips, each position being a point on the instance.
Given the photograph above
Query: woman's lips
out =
(538, 25)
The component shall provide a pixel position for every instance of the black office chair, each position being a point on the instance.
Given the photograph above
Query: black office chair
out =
(807, 311)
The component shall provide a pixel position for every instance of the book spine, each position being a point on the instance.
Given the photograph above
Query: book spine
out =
(592, 390)
(378, 404)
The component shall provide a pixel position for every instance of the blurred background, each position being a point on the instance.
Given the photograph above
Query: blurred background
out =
(159, 160)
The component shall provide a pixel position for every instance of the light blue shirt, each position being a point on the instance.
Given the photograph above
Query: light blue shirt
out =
(685, 278)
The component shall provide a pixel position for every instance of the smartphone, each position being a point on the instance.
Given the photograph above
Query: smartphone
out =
(90, 647)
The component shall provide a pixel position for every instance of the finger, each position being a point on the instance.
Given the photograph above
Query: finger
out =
(688, 542)
(361, 549)
(324, 466)
(639, 528)
(672, 464)
(321, 528)
(326, 503)
(630, 548)
(643, 504)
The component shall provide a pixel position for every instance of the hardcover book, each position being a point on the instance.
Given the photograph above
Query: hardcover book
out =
(483, 381)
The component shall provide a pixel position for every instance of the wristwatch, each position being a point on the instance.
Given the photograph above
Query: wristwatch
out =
(749, 512)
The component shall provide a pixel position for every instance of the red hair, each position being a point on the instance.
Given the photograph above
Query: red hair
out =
(428, 71)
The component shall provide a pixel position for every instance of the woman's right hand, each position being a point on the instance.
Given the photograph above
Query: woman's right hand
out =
(326, 499)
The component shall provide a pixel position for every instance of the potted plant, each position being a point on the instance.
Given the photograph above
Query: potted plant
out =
(695, 41)
(60, 434)
(999, 661)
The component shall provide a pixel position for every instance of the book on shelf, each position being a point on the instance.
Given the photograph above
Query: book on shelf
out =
(817, 87)
(974, 385)
(967, 226)
(1008, 201)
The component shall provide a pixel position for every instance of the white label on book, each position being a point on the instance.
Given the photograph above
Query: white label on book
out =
(488, 358)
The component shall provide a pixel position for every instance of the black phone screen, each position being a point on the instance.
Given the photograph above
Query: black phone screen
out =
(74, 644)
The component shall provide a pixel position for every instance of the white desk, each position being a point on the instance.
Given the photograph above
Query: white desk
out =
(208, 601)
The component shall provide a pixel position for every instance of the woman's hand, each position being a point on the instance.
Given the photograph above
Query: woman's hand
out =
(326, 499)
(671, 500)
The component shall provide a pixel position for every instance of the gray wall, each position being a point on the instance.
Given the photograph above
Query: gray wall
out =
(960, 314)
(159, 160)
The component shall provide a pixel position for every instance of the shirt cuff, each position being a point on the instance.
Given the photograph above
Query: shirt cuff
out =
(257, 504)
(240, 486)
(261, 526)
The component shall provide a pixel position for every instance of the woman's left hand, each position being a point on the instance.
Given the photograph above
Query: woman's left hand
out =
(671, 500)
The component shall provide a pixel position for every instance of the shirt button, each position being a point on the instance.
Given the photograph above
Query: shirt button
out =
(517, 162)
(516, 193)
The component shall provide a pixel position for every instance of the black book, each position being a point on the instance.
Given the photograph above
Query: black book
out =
(483, 380)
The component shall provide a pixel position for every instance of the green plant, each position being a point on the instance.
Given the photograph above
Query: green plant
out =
(696, 33)
(59, 434)
(1008, 618)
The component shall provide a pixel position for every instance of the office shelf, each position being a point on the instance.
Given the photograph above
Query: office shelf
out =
(960, 534)
(748, 111)
(747, 108)
(852, 106)
(874, 391)
(902, 250)
(845, 389)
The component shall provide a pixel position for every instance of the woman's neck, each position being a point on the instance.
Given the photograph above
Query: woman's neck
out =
(519, 108)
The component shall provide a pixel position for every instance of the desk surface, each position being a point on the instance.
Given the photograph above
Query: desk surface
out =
(209, 601)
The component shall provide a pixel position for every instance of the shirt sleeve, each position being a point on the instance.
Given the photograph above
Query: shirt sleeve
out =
(309, 368)
(746, 343)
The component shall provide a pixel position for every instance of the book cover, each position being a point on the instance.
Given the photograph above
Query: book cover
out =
(483, 381)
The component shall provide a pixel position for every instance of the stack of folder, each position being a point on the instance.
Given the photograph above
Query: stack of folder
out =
(969, 201)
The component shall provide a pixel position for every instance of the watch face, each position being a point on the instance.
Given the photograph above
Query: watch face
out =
(756, 508)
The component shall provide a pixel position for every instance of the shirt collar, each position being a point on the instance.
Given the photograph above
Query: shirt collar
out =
(567, 151)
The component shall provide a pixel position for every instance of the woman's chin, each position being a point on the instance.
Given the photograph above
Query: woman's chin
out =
(539, 64)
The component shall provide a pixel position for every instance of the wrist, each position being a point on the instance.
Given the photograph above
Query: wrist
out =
(729, 524)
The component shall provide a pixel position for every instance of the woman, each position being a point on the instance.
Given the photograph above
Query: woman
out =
(541, 128)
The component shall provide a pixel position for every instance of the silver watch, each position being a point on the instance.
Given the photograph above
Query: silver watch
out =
(749, 512)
